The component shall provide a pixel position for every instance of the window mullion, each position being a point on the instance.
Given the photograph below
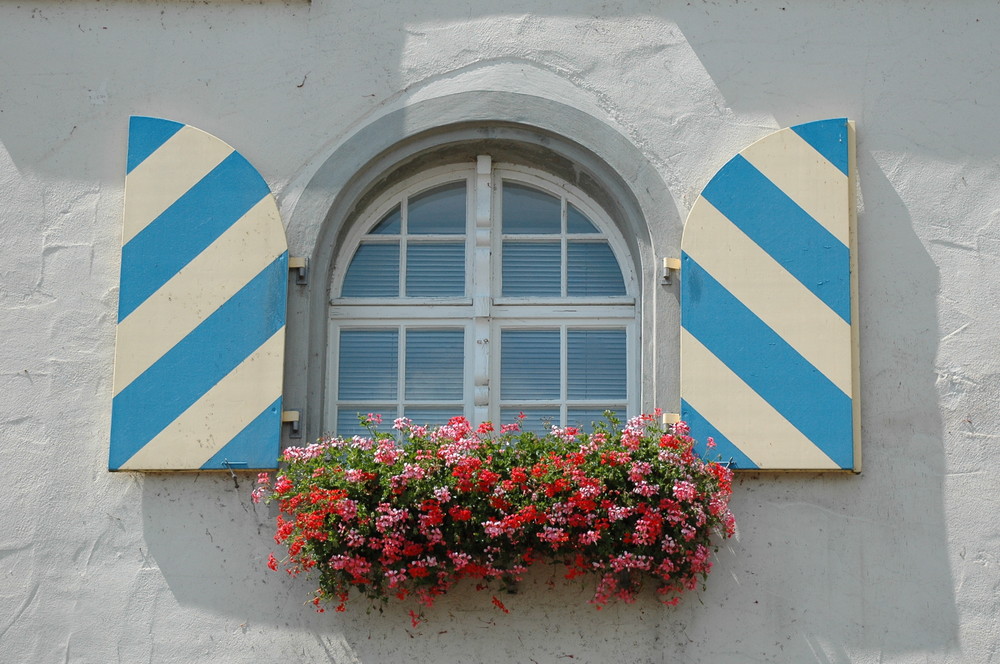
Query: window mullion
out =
(563, 251)
(404, 213)
(563, 374)
(401, 373)
(482, 218)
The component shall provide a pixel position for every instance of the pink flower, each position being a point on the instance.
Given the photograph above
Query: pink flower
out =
(685, 491)
(394, 516)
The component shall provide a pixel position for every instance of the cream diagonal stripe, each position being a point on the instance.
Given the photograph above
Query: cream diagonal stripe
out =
(809, 326)
(215, 419)
(741, 415)
(806, 176)
(166, 175)
(197, 290)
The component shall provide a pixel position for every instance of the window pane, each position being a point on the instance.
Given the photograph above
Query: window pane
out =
(529, 364)
(576, 222)
(527, 210)
(584, 418)
(434, 365)
(435, 270)
(536, 420)
(348, 424)
(390, 224)
(440, 210)
(368, 364)
(433, 417)
(593, 270)
(374, 272)
(597, 366)
(531, 268)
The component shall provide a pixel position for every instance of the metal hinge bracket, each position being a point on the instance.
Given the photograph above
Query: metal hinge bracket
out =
(300, 263)
(670, 267)
(292, 418)
(668, 419)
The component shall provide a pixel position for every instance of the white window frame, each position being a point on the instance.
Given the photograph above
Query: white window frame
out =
(483, 311)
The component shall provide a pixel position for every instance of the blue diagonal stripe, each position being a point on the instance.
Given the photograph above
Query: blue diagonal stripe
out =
(781, 228)
(724, 450)
(145, 135)
(199, 361)
(767, 363)
(183, 231)
(829, 138)
(256, 446)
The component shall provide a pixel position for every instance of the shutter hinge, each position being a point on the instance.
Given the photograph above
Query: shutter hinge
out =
(668, 419)
(670, 266)
(300, 263)
(292, 418)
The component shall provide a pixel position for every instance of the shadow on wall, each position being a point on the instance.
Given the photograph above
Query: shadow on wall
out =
(864, 560)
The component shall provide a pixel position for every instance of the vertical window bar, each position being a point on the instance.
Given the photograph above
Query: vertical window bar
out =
(563, 371)
(404, 212)
(401, 369)
(563, 259)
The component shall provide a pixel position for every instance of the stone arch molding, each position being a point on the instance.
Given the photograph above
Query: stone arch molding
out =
(515, 127)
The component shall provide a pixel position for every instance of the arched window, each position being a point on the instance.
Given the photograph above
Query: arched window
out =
(485, 290)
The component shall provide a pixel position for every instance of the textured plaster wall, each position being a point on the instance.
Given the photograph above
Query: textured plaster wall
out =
(899, 564)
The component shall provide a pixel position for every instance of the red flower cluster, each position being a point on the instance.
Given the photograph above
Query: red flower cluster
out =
(414, 516)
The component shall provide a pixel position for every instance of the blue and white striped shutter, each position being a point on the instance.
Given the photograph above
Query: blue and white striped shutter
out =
(769, 304)
(201, 313)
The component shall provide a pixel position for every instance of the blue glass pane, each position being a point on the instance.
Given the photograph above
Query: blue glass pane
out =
(531, 268)
(527, 210)
(529, 364)
(593, 270)
(368, 364)
(374, 272)
(440, 210)
(390, 224)
(597, 365)
(576, 222)
(536, 420)
(435, 365)
(435, 270)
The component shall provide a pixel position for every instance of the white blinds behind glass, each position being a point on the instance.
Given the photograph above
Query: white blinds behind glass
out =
(434, 365)
(529, 364)
(597, 365)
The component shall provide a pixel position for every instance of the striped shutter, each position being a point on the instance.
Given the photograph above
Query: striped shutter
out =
(769, 305)
(201, 312)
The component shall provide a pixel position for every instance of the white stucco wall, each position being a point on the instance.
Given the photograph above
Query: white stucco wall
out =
(899, 564)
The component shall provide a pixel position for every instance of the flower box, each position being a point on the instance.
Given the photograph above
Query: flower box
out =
(409, 514)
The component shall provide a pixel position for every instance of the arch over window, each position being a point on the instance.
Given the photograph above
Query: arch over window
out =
(484, 289)
(575, 146)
